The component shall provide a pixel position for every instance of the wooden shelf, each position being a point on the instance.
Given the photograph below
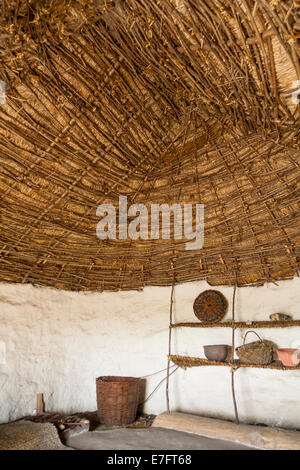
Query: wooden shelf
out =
(241, 324)
(187, 362)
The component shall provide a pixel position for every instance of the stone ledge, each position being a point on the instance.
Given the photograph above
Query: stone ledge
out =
(260, 437)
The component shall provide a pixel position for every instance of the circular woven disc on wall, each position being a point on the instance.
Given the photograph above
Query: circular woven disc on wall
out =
(210, 306)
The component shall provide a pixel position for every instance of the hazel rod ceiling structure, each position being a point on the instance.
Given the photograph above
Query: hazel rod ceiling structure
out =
(161, 101)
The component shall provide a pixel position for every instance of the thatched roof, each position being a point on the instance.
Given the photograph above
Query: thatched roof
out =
(161, 101)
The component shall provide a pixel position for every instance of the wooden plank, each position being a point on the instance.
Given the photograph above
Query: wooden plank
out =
(40, 407)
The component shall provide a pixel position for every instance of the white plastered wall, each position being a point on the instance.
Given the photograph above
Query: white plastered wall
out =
(56, 343)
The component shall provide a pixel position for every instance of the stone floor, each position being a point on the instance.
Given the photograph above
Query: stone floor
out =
(147, 439)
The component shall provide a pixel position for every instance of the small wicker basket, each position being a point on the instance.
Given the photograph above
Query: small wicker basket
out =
(117, 399)
(259, 352)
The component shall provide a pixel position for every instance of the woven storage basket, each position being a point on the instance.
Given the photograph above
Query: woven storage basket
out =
(258, 352)
(117, 399)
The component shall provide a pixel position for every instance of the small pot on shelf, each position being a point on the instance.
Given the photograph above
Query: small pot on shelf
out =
(280, 317)
(216, 352)
(289, 357)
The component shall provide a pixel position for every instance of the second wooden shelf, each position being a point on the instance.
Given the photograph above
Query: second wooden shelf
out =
(239, 324)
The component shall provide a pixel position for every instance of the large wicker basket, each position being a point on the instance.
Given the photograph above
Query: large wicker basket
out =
(117, 399)
(259, 352)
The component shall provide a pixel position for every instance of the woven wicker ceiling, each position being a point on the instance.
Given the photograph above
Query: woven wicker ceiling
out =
(162, 101)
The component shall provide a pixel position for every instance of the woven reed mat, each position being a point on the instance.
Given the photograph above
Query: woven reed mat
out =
(25, 435)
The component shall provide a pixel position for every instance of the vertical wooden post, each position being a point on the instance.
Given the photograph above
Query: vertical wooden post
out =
(232, 353)
(40, 407)
(170, 345)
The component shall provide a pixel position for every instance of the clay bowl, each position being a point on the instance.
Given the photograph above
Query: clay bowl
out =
(216, 352)
(289, 357)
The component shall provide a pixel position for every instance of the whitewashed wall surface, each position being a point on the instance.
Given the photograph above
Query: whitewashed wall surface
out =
(56, 343)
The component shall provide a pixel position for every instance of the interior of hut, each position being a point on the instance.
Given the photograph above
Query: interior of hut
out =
(149, 224)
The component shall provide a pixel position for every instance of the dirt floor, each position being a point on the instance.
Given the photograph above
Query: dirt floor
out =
(139, 435)
(82, 431)
(147, 439)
